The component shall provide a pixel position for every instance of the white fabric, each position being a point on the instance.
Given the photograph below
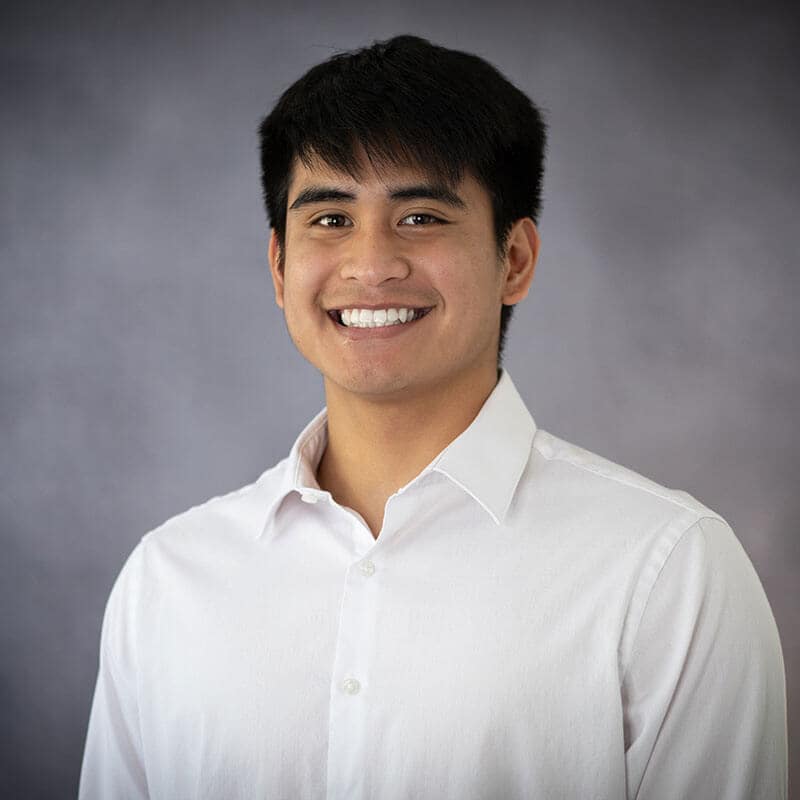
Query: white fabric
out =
(533, 621)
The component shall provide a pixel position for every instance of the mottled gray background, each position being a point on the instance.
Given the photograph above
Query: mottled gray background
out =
(145, 367)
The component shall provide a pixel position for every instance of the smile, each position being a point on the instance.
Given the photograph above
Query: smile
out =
(376, 318)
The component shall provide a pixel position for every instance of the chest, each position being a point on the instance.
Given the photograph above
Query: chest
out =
(386, 675)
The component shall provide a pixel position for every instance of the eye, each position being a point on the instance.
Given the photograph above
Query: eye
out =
(331, 221)
(420, 219)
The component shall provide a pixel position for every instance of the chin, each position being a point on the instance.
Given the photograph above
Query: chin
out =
(370, 382)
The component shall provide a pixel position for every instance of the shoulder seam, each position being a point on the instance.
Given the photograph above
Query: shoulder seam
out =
(614, 478)
(659, 569)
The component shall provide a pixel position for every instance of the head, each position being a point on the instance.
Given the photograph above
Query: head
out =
(406, 102)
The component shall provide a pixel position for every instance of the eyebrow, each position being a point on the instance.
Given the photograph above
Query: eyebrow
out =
(422, 191)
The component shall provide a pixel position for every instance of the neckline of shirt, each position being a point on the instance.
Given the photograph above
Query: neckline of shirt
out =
(486, 460)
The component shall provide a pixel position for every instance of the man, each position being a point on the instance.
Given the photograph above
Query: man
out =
(431, 596)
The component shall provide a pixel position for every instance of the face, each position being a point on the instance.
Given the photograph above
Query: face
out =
(395, 240)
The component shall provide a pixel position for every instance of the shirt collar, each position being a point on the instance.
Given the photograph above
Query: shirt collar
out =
(486, 460)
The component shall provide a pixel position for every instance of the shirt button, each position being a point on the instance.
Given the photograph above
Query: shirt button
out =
(367, 567)
(351, 686)
(308, 498)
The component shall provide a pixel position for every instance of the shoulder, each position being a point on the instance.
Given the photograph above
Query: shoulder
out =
(576, 469)
(605, 512)
(205, 536)
(225, 523)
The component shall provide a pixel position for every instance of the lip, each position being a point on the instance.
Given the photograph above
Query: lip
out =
(385, 332)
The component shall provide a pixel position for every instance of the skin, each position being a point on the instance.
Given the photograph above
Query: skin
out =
(394, 403)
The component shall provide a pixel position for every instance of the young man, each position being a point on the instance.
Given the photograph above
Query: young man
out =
(431, 596)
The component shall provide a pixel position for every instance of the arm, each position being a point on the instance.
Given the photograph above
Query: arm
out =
(113, 764)
(704, 691)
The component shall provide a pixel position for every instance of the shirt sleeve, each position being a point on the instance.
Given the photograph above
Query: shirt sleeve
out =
(113, 763)
(704, 693)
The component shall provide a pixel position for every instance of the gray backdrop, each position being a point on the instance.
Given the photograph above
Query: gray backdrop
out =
(145, 367)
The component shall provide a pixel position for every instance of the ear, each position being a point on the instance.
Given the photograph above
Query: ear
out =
(520, 261)
(275, 268)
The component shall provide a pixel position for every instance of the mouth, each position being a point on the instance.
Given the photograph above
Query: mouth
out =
(357, 319)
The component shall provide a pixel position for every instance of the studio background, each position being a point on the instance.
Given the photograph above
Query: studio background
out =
(145, 367)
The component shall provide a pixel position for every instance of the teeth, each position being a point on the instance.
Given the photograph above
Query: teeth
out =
(379, 318)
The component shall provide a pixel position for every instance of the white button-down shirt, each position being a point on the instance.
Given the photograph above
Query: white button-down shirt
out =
(533, 621)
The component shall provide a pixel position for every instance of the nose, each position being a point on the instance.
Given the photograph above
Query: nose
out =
(373, 255)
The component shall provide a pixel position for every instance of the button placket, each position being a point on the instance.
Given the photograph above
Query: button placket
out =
(348, 742)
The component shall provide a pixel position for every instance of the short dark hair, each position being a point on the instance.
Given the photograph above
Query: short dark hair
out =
(408, 101)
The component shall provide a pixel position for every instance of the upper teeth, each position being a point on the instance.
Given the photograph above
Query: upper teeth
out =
(378, 318)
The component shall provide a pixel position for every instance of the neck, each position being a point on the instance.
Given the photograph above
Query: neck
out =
(376, 446)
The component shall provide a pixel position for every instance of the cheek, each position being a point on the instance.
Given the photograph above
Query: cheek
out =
(470, 279)
(303, 277)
